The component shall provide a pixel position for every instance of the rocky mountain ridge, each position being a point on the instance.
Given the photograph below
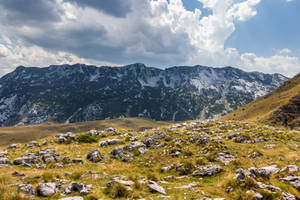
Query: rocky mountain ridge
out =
(75, 93)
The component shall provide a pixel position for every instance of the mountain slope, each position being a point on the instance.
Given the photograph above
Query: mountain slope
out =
(75, 93)
(281, 106)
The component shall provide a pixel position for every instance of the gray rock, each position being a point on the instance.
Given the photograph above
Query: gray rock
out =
(93, 132)
(18, 174)
(33, 144)
(110, 142)
(26, 189)
(72, 198)
(12, 146)
(134, 145)
(47, 158)
(27, 159)
(77, 160)
(293, 181)
(40, 166)
(62, 138)
(118, 152)
(94, 156)
(78, 187)
(225, 158)
(264, 171)
(3, 154)
(207, 170)
(47, 189)
(59, 165)
(155, 187)
(125, 183)
(168, 168)
(4, 161)
(204, 139)
(290, 169)
(241, 174)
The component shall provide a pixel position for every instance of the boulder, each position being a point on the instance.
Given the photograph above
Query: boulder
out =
(33, 144)
(77, 160)
(264, 171)
(225, 158)
(12, 146)
(93, 132)
(109, 142)
(27, 159)
(47, 189)
(78, 187)
(293, 181)
(118, 152)
(154, 187)
(94, 156)
(72, 198)
(290, 169)
(4, 161)
(125, 183)
(26, 189)
(134, 145)
(241, 174)
(207, 170)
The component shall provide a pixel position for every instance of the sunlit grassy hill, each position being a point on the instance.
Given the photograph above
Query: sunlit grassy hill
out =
(281, 106)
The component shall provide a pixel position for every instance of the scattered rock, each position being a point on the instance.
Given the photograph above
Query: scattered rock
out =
(125, 183)
(94, 156)
(63, 138)
(18, 174)
(27, 159)
(241, 174)
(93, 132)
(110, 142)
(72, 198)
(78, 187)
(33, 144)
(118, 152)
(225, 158)
(155, 187)
(12, 146)
(47, 189)
(290, 169)
(134, 145)
(26, 189)
(4, 161)
(293, 181)
(207, 170)
(264, 171)
(77, 160)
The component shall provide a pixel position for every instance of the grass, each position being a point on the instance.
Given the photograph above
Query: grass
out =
(21, 134)
(148, 166)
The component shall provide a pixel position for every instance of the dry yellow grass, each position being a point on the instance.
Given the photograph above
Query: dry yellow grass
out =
(23, 134)
(262, 108)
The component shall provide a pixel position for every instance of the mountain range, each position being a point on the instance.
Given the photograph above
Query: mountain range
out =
(77, 93)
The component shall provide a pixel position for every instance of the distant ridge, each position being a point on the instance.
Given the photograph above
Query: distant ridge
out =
(281, 107)
(78, 93)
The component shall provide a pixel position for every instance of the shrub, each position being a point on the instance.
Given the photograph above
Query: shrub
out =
(117, 191)
(86, 138)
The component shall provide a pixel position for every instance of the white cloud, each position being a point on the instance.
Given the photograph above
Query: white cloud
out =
(155, 32)
(289, 0)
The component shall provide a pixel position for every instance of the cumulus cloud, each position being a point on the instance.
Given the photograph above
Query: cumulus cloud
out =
(157, 32)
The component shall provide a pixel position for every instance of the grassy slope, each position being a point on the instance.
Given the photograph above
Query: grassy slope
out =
(22, 134)
(148, 166)
(262, 108)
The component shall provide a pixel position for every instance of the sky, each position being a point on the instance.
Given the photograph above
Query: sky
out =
(253, 35)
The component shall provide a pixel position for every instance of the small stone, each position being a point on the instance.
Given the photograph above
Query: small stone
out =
(47, 189)
(155, 187)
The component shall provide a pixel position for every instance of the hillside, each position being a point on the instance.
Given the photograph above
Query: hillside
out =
(281, 106)
(203, 160)
(78, 93)
(23, 134)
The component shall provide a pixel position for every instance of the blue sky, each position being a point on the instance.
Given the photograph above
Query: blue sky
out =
(253, 35)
